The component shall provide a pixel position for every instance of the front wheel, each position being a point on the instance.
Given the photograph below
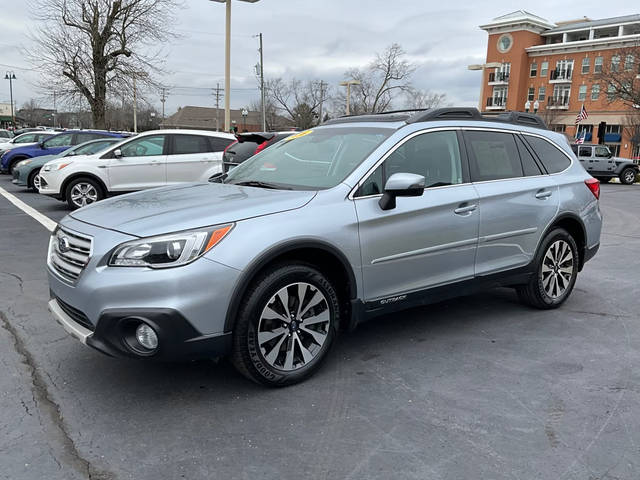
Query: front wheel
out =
(82, 192)
(34, 180)
(628, 176)
(286, 325)
(556, 271)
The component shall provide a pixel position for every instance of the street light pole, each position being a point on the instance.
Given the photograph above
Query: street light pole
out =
(227, 63)
(11, 77)
(483, 67)
(264, 107)
(135, 105)
(348, 84)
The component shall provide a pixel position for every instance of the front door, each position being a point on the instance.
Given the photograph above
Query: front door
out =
(141, 165)
(424, 241)
(603, 162)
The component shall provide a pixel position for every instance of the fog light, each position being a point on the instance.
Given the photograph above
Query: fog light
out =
(146, 336)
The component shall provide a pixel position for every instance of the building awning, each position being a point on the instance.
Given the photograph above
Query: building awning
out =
(612, 137)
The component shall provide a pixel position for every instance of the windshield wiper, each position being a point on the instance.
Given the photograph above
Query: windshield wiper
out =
(257, 183)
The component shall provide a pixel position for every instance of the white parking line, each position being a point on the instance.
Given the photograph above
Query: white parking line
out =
(32, 212)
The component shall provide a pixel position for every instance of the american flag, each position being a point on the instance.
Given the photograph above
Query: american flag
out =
(582, 115)
(580, 140)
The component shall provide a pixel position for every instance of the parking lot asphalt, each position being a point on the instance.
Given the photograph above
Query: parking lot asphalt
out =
(477, 387)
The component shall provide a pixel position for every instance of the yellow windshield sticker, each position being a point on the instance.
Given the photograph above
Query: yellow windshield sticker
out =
(298, 135)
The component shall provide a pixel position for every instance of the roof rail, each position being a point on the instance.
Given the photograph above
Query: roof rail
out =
(454, 113)
(521, 118)
(376, 117)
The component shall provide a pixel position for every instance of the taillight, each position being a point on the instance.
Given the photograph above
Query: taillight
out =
(261, 147)
(593, 185)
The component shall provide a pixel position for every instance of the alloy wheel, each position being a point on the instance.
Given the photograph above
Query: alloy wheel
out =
(294, 326)
(83, 194)
(629, 176)
(557, 269)
(36, 181)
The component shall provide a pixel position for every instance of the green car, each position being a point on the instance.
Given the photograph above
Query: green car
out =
(27, 172)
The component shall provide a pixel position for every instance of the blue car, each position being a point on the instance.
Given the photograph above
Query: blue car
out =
(52, 146)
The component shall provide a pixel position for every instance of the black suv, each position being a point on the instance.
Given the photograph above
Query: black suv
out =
(247, 145)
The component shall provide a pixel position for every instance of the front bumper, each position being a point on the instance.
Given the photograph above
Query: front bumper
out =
(50, 184)
(187, 306)
(19, 178)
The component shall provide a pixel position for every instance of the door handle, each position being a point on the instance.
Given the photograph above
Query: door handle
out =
(465, 209)
(544, 194)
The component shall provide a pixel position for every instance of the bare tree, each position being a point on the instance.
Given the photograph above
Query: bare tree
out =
(387, 75)
(271, 112)
(299, 100)
(93, 49)
(619, 78)
(424, 99)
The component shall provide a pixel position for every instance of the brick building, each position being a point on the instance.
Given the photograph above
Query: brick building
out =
(556, 68)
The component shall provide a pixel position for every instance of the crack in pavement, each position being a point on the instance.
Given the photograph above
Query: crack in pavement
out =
(18, 278)
(52, 421)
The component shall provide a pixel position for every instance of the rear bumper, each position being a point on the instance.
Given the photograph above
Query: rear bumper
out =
(114, 333)
(589, 253)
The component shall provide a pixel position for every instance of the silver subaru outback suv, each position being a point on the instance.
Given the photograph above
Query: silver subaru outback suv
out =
(328, 228)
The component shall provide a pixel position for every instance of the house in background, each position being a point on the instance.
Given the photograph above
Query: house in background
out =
(205, 118)
(555, 67)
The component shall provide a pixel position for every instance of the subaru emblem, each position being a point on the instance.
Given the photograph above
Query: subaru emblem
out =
(63, 244)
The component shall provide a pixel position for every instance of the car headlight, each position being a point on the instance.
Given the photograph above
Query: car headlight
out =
(59, 166)
(22, 163)
(172, 250)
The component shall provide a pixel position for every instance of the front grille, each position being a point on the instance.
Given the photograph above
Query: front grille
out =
(69, 253)
(75, 314)
(43, 182)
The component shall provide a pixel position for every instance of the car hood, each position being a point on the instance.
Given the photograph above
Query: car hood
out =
(187, 206)
(54, 160)
(39, 161)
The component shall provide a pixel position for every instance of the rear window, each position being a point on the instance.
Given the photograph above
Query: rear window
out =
(494, 156)
(239, 152)
(553, 159)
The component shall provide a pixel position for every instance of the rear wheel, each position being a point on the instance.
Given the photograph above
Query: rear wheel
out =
(286, 325)
(34, 180)
(556, 271)
(83, 191)
(628, 176)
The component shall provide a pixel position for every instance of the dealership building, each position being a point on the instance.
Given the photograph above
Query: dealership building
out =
(554, 69)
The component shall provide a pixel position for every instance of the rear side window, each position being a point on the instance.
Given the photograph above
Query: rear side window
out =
(187, 144)
(492, 156)
(553, 159)
(219, 144)
(584, 152)
(529, 164)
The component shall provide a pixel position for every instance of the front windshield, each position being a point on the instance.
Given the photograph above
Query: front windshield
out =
(314, 159)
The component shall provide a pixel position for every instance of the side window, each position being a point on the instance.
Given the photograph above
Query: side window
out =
(553, 159)
(493, 156)
(436, 156)
(219, 144)
(26, 139)
(529, 164)
(63, 140)
(584, 152)
(602, 152)
(372, 185)
(85, 137)
(144, 147)
(188, 144)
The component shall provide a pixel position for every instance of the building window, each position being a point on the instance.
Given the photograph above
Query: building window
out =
(542, 91)
(613, 129)
(531, 95)
(615, 63)
(533, 70)
(628, 63)
(544, 69)
(559, 128)
(595, 91)
(499, 97)
(582, 93)
(585, 65)
(597, 65)
(560, 97)
(611, 93)
(563, 71)
(614, 148)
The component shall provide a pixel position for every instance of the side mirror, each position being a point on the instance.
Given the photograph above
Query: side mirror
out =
(41, 144)
(401, 185)
(117, 153)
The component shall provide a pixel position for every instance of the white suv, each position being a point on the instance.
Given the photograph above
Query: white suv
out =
(151, 159)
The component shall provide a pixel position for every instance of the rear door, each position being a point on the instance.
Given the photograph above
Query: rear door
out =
(424, 241)
(585, 155)
(142, 164)
(190, 157)
(517, 199)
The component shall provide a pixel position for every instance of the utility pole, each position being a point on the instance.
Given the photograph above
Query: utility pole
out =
(227, 71)
(163, 98)
(262, 95)
(217, 95)
(135, 105)
(348, 84)
(322, 84)
(54, 109)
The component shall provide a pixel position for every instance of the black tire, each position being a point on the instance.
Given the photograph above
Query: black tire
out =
(534, 293)
(247, 355)
(604, 179)
(30, 180)
(78, 182)
(14, 163)
(628, 176)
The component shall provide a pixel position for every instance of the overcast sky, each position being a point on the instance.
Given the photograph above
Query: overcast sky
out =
(316, 39)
